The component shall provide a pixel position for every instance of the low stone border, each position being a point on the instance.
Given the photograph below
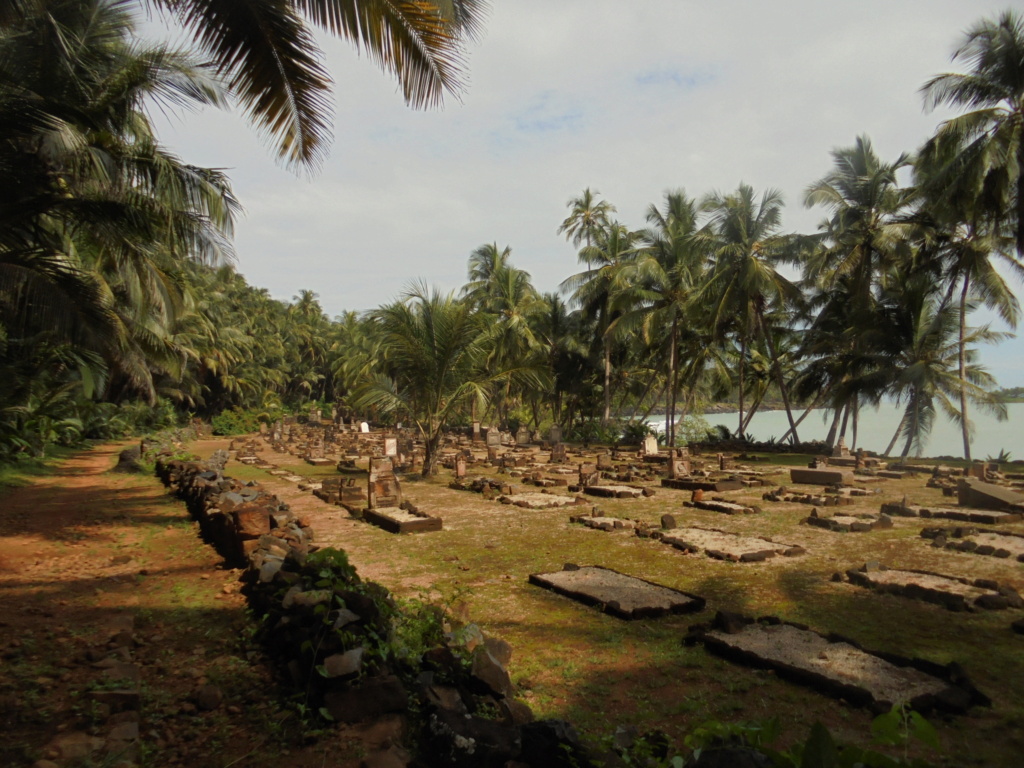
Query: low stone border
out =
(848, 523)
(838, 666)
(402, 520)
(963, 514)
(696, 484)
(723, 545)
(950, 592)
(723, 506)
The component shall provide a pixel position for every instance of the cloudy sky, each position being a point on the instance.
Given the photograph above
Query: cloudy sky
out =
(629, 98)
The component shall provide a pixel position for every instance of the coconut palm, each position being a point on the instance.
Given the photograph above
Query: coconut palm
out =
(744, 286)
(588, 216)
(434, 350)
(266, 52)
(987, 161)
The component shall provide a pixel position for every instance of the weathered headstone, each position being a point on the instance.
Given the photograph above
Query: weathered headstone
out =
(589, 475)
(476, 431)
(650, 446)
(460, 466)
(841, 451)
(558, 454)
(522, 436)
(493, 438)
(390, 447)
(555, 434)
(364, 427)
(382, 488)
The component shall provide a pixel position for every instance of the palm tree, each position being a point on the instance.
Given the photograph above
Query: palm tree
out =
(266, 52)
(987, 161)
(596, 290)
(662, 282)
(744, 286)
(588, 216)
(433, 363)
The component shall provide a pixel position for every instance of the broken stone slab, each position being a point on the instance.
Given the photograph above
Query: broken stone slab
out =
(723, 545)
(725, 507)
(540, 500)
(972, 492)
(963, 514)
(848, 523)
(625, 597)
(614, 491)
(951, 592)
(838, 666)
(808, 476)
(1002, 544)
(398, 520)
(703, 484)
(602, 523)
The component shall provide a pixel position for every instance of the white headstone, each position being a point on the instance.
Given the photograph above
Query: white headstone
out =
(650, 446)
(364, 427)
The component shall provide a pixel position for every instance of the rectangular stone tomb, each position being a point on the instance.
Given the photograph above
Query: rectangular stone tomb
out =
(703, 484)
(991, 543)
(723, 545)
(839, 667)
(539, 500)
(725, 507)
(320, 461)
(848, 523)
(975, 493)
(808, 476)
(623, 596)
(950, 592)
(614, 491)
(397, 520)
(963, 514)
(602, 523)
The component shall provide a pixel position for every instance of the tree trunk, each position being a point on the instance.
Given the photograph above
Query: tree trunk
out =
(607, 380)
(821, 396)
(856, 421)
(640, 402)
(743, 357)
(430, 454)
(673, 377)
(830, 439)
(896, 436)
(846, 419)
(962, 353)
(783, 389)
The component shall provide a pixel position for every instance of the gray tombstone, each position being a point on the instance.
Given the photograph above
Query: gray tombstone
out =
(476, 430)
(555, 434)
(390, 446)
(493, 438)
(650, 445)
(522, 436)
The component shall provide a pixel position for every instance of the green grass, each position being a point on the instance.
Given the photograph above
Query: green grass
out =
(20, 473)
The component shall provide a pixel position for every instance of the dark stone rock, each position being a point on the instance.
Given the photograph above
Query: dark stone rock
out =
(130, 460)
(346, 664)
(372, 698)
(552, 744)
(209, 698)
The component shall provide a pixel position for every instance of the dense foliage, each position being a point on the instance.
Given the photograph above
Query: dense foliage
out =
(116, 285)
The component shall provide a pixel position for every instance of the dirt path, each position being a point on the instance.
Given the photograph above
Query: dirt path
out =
(124, 639)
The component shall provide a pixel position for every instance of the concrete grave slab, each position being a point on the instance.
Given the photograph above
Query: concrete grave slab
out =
(963, 514)
(602, 523)
(951, 592)
(722, 506)
(398, 520)
(540, 500)
(1002, 544)
(976, 493)
(808, 476)
(719, 485)
(838, 666)
(723, 545)
(848, 523)
(614, 491)
(620, 595)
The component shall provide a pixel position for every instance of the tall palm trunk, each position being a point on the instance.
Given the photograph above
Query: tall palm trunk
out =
(896, 435)
(830, 439)
(856, 421)
(814, 404)
(743, 357)
(962, 354)
(607, 380)
(673, 375)
(783, 389)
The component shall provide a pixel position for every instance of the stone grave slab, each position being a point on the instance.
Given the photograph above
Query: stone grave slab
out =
(602, 523)
(840, 523)
(719, 485)
(976, 493)
(951, 592)
(616, 593)
(838, 666)
(722, 506)
(979, 542)
(962, 514)
(821, 476)
(723, 545)
(539, 500)
(398, 520)
(614, 491)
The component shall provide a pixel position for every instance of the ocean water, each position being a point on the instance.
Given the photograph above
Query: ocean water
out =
(877, 425)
